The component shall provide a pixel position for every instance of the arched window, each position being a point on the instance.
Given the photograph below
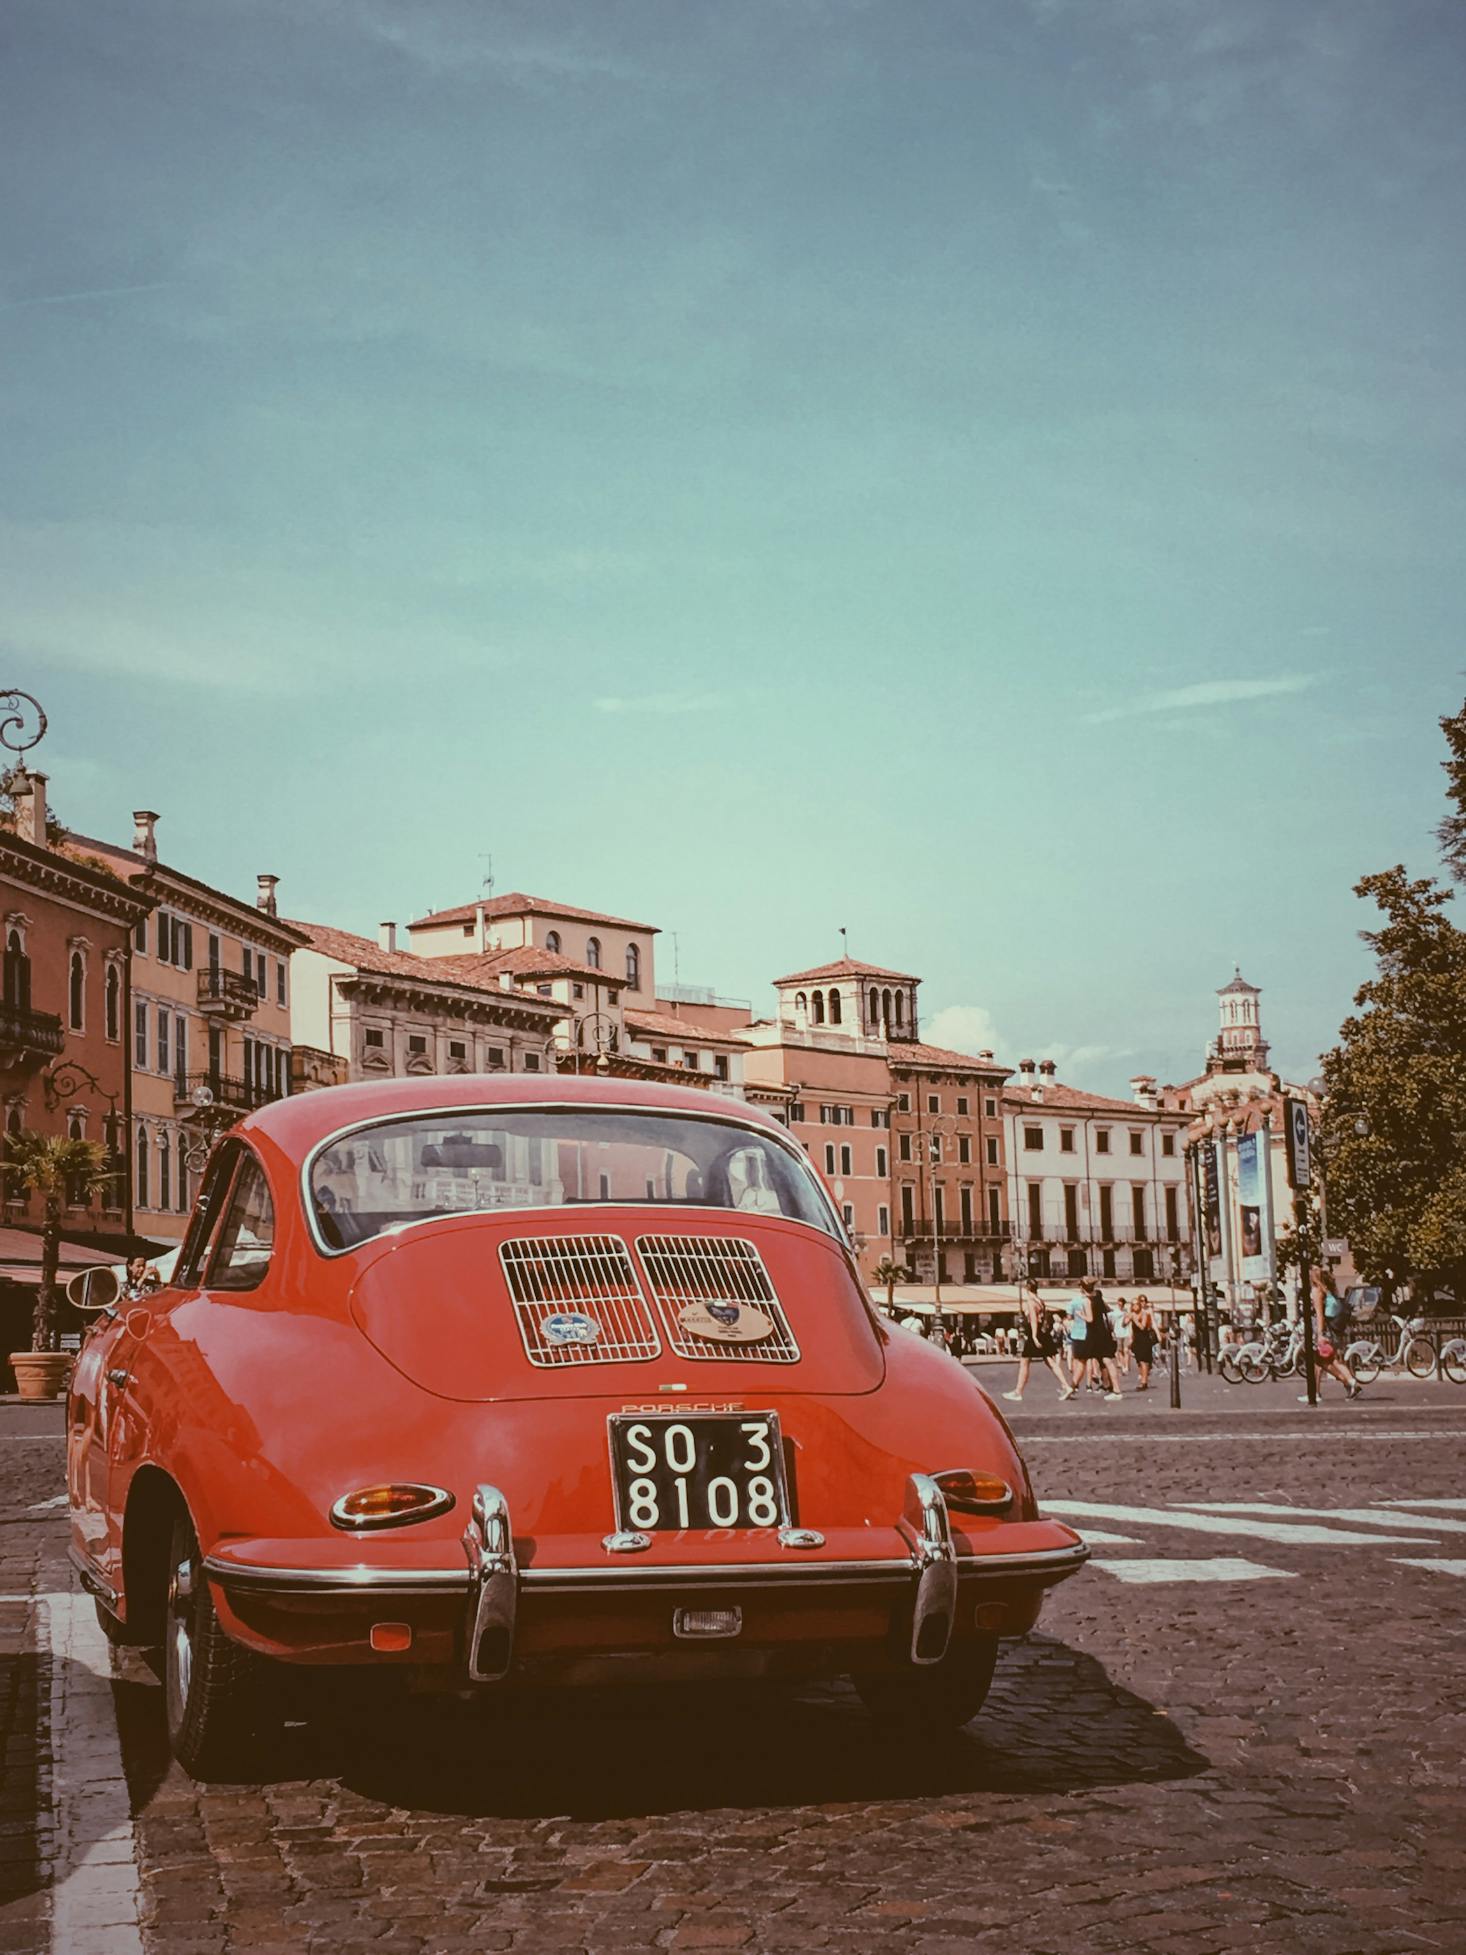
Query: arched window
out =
(819, 1007)
(801, 1005)
(593, 952)
(900, 1009)
(114, 1002)
(633, 966)
(17, 972)
(886, 1008)
(875, 1010)
(165, 1172)
(14, 1124)
(834, 1006)
(552, 942)
(140, 1166)
(77, 1002)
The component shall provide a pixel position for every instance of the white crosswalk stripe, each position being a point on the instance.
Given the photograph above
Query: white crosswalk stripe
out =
(1302, 1534)
(1454, 1506)
(1358, 1516)
(1437, 1565)
(1222, 1568)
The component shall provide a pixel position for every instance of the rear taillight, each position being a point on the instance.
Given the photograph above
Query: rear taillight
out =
(974, 1493)
(390, 1506)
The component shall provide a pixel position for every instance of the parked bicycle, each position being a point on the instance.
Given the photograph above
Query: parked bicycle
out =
(1278, 1353)
(1367, 1356)
(1453, 1360)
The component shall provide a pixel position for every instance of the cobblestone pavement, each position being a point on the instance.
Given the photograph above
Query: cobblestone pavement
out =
(1255, 1739)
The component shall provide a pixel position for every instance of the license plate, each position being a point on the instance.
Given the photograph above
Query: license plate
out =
(726, 1470)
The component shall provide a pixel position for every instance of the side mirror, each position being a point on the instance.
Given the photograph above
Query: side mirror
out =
(91, 1290)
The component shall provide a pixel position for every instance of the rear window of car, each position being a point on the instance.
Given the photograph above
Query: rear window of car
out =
(397, 1172)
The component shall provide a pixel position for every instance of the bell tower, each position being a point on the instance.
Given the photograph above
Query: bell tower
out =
(1239, 1046)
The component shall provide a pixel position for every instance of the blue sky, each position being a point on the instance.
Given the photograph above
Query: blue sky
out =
(986, 475)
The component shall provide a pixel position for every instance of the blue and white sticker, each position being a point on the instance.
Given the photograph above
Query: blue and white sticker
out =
(570, 1327)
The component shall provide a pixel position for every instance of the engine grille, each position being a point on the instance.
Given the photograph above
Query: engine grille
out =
(721, 1270)
(589, 1275)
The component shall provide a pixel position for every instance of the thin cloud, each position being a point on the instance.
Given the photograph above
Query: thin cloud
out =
(1207, 694)
(92, 292)
(663, 702)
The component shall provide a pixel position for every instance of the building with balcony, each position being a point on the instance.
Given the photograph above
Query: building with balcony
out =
(1096, 1186)
(867, 1098)
(208, 1023)
(371, 1011)
(65, 1005)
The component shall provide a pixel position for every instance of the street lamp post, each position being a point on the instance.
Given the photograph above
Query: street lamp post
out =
(941, 1127)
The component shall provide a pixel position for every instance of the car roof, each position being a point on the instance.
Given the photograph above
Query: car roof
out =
(299, 1123)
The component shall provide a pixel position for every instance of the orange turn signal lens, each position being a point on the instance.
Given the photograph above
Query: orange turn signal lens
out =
(390, 1506)
(974, 1493)
(391, 1638)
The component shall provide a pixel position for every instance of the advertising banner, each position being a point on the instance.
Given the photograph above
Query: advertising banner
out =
(1300, 1149)
(1249, 1206)
(1211, 1200)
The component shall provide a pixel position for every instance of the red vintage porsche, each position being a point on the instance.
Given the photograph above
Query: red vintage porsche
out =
(512, 1383)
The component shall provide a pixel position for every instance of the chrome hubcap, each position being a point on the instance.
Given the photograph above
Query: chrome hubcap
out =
(180, 1636)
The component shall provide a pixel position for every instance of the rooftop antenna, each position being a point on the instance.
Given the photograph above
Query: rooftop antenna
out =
(844, 942)
(487, 885)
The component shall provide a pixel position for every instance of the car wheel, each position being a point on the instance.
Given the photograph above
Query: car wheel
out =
(110, 1627)
(931, 1698)
(213, 1688)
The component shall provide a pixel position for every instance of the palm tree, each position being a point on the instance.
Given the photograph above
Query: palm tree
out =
(59, 1170)
(890, 1273)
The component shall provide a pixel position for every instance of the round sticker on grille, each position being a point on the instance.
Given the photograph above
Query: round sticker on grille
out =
(570, 1327)
(725, 1323)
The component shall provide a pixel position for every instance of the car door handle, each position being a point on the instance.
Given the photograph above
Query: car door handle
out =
(117, 1379)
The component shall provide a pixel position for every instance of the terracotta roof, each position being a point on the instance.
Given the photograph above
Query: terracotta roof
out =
(518, 904)
(135, 867)
(665, 1024)
(479, 973)
(526, 960)
(1068, 1099)
(911, 1052)
(847, 967)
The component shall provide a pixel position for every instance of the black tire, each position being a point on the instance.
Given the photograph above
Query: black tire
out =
(1227, 1367)
(111, 1628)
(928, 1699)
(1253, 1366)
(215, 1691)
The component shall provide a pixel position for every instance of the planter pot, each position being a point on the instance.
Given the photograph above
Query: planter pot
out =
(41, 1374)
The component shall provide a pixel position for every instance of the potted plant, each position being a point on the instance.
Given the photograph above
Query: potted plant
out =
(58, 1170)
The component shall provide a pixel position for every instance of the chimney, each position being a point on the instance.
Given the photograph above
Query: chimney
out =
(28, 791)
(1025, 1067)
(144, 833)
(1049, 1070)
(387, 935)
(266, 899)
(1143, 1091)
(478, 914)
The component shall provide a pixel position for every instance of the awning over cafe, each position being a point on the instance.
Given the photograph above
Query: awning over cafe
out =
(20, 1257)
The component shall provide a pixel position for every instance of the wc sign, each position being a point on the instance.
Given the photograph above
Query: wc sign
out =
(1300, 1152)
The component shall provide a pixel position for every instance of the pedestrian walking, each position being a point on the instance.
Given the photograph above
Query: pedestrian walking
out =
(1330, 1335)
(1037, 1346)
(1120, 1326)
(1143, 1338)
(1076, 1322)
(1101, 1343)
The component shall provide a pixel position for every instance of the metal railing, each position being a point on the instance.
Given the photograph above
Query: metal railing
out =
(37, 1033)
(227, 992)
(227, 1090)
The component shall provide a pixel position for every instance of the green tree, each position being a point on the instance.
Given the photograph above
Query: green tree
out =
(58, 1170)
(1394, 1123)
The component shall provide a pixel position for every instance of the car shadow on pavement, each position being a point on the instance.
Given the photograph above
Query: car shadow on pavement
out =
(1055, 1723)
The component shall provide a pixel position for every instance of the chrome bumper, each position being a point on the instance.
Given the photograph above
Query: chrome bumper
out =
(493, 1582)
